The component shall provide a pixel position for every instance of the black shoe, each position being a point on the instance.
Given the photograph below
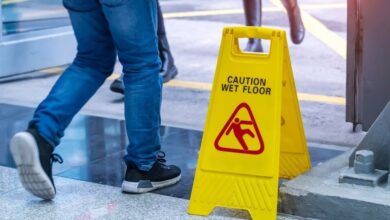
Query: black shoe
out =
(34, 158)
(169, 73)
(168, 69)
(117, 86)
(159, 176)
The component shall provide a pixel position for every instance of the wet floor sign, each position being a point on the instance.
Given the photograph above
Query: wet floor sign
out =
(254, 132)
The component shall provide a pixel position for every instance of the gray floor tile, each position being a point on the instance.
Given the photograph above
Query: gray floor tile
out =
(9, 180)
(83, 200)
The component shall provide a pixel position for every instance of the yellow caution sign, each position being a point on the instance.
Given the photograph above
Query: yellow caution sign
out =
(294, 157)
(253, 102)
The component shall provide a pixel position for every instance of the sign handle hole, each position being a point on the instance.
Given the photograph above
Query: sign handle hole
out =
(254, 46)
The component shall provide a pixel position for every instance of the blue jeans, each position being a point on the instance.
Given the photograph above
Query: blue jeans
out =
(103, 29)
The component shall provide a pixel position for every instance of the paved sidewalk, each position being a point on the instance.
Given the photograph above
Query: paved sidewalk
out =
(83, 200)
(195, 44)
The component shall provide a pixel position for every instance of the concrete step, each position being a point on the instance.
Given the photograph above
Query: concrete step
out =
(318, 194)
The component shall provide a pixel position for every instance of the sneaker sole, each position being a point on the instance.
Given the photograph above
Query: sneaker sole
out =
(25, 152)
(144, 186)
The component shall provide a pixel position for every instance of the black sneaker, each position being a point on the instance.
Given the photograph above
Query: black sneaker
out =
(34, 158)
(169, 74)
(117, 86)
(159, 176)
(168, 69)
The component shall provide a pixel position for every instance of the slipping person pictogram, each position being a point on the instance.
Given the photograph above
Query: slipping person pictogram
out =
(235, 125)
(239, 132)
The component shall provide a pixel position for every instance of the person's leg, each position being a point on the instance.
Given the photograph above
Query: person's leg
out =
(94, 62)
(168, 69)
(133, 24)
(136, 40)
(297, 29)
(253, 17)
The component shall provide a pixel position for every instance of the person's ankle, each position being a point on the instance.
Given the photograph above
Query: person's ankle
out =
(41, 141)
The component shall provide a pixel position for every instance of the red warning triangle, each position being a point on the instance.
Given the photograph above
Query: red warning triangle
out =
(243, 132)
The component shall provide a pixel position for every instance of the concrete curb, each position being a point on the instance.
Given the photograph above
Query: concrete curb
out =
(317, 194)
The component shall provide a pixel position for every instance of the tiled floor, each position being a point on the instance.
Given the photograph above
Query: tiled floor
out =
(84, 201)
(93, 149)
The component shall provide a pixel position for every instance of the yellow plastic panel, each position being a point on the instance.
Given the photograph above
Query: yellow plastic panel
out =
(239, 159)
(294, 158)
